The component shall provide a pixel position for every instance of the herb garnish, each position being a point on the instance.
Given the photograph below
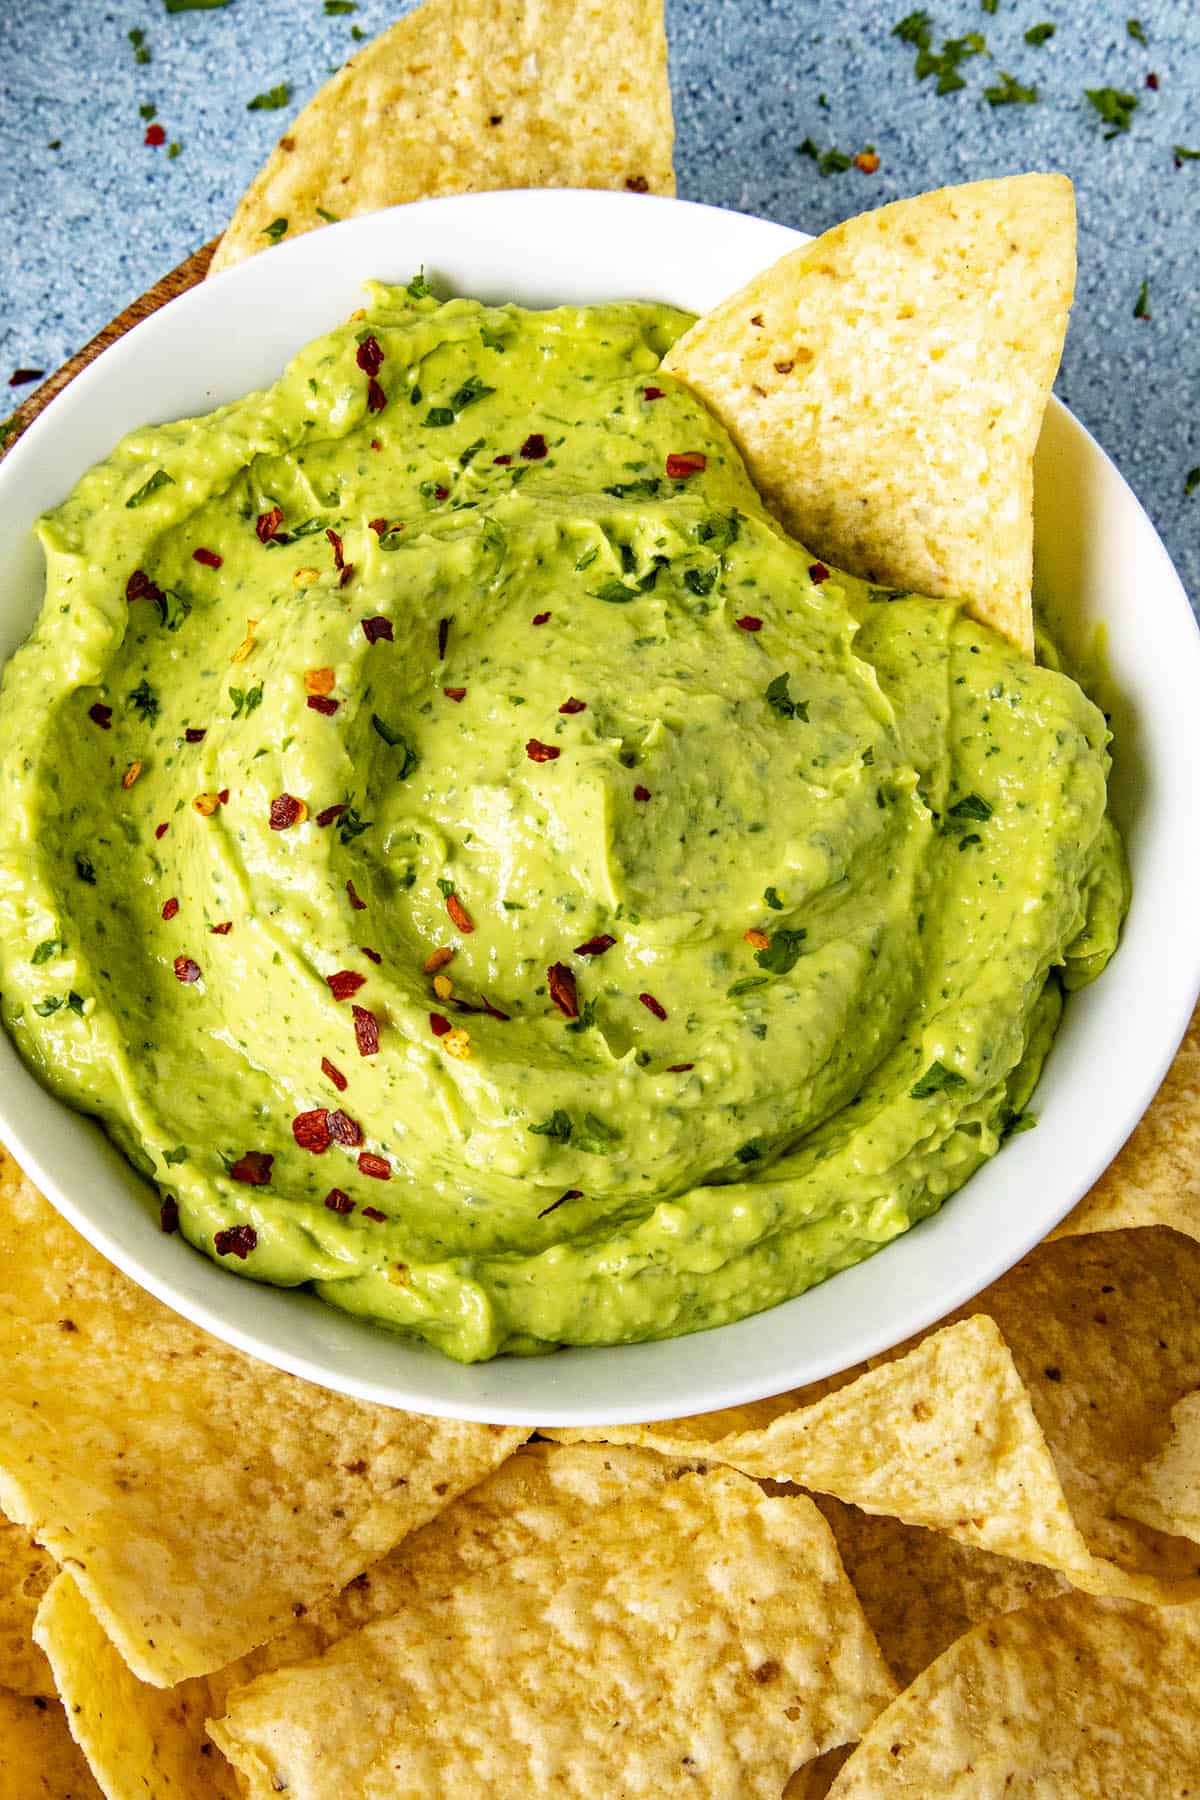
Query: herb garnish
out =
(558, 1126)
(179, 6)
(159, 479)
(1115, 108)
(46, 951)
(350, 825)
(246, 700)
(829, 162)
(783, 952)
(471, 390)
(144, 701)
(1142, 307)
(937, 1079)
(1192, 482)
(1008, 91)
(272, 100)
(141, 50)
(396, 741)
(1136, 30)
(971, 806)
(771, 899)
(275, 230)
(1040, 34)
(777, 696)
(85, 868)
(744, 985)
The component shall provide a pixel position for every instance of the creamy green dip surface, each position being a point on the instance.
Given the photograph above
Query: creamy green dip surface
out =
(610, 719)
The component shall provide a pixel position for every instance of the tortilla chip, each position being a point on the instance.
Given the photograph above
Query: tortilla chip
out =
(1075, 1697)
(1155, 1178)
(886, 386)
(198, 1496)
(1165, 1493)
(25, 1573)
(463, 96)
(38, 1761)
(705, 1632)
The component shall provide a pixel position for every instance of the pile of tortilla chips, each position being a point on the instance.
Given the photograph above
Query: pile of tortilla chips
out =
(970, 1568)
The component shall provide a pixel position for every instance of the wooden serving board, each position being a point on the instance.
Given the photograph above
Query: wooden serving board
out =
(180, 279)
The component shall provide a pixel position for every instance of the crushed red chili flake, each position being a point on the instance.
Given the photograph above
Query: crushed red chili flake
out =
(311, 1130)
(573, 706)
(373, 1212)
(640, 792)
(155, 135)
(682, 463)
(455, 694)
(329, 813)
(223, 797)
(345, 1130)
(439, 1024)
(100, 715)
(335, 1075)
(140, 587)
(502, 461)
(160, 831)
(286, 811)
(170, 908)
(679, 1068)
(373, 954)
(443, 637)
(652, 393)
(534, 447)
(339, 554)
(352, 895)
(366, 1031)
(346, 575)
(595, 946)
(376, 398)
(253, 1168)
(338, 1201)
(538, 752)
(748, 622)
(375, 444)
(223, 929)
(186, 970)
(818, 573)
(209, 558)
(378, 526)
(571, 1194)
(1152, 81)
(563, 992)
(539, 618)
(459, 914)
(345, 983)
(441, 493)
(369, 356)
(637, 184)
(376, 628)
(236, 1240)
(653, 1005)
(168, 1214)
(493, 1012)
(20, 377)
(268, 523)
(195, 734)
(323, 704)
(374, 1166)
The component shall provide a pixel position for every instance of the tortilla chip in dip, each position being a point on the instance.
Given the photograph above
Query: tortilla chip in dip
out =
(463, 96)
(886, 385)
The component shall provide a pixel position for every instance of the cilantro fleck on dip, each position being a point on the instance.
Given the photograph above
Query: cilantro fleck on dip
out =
(472, 861)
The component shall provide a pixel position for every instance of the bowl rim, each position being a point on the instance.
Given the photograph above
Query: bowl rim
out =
(560, 1390)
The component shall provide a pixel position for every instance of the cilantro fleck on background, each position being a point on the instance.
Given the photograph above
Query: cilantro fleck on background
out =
(782, 107)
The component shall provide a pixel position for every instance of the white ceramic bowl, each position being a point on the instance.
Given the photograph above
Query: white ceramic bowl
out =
(1101, 566)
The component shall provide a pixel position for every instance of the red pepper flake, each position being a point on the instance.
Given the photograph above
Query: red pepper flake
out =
(209, 558)
(866, 161)
(595, 946)
(338, 1201)
(323, 704)
(160, 831)
(376, 398)
(195, 734)
(817, 572)
(539, 618)
(375, 444)
(346, 575)
(459, 914)
(573, 706)
(287, 811)
(534, 447)
(493, 1012)
(502, 461)
(562, 990)
(378, 526)
(236, 1240)
(223, 797)
(679, 1068)
(441, 493)
(329, 813)
(539, 752)
(335, 1075)
(168, 1214)
(356, 903)
(373, 954)
(311, 1130)
(443, 637)
(682, 463)
(155, 135)
(637, 184)
(748, 622)
(376, 628)
(345, 1130)
(339, 554)
(369, 356)
(366, 1031)
(652, 393)
(345, 983)
(373, 1212)
(140, 587)
(253, 1168)
(186, 970)
(268, 523)
(20, 377)
(439, 1024)
(653, 1005)
(1152, 81)
(223, 929)
(100, 715)
(376, 1167)
(170, 908)
(640, 792)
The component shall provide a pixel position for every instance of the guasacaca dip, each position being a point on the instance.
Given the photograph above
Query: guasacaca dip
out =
(473, 862)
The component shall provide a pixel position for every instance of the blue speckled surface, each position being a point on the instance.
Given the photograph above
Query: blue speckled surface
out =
(92, 224)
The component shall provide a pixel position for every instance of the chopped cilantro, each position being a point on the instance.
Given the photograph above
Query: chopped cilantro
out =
(771, 899)
(751, 1151)
(46, 951)
(596, 1135)
(275, 230)
(178, 6)
(777, 696)
(159, 479)
(587, 1013)
(174, 149)
(989, 6)
(1182, 154)
(937, 1079)
(1136, 30)
(75, 1002)
(178, 1155)
(85, 868)
(745, 984)
(701, 581)
(337, 9)
(141, 50)
(1115, 108)
(1016, 1123)
(396, 741)
(783, 952)
(418, 288)
(1008, 91)
(350, 825)
(43, 1008)
(147, 110)
(829, 162)
(329, 218)
(1193, 481)
(615, 592)
(491, 339)
(272, 100)
(558, 1127)
(643, 489)
(718, 532)
(471, 451)
(1040, 34)
(144, 701)
(914, 28)
(587, 559)
(173, 608)
(471, 390)
(1142, 307)
(971, 806)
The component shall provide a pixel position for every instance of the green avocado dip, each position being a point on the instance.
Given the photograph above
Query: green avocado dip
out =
(473, 862)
